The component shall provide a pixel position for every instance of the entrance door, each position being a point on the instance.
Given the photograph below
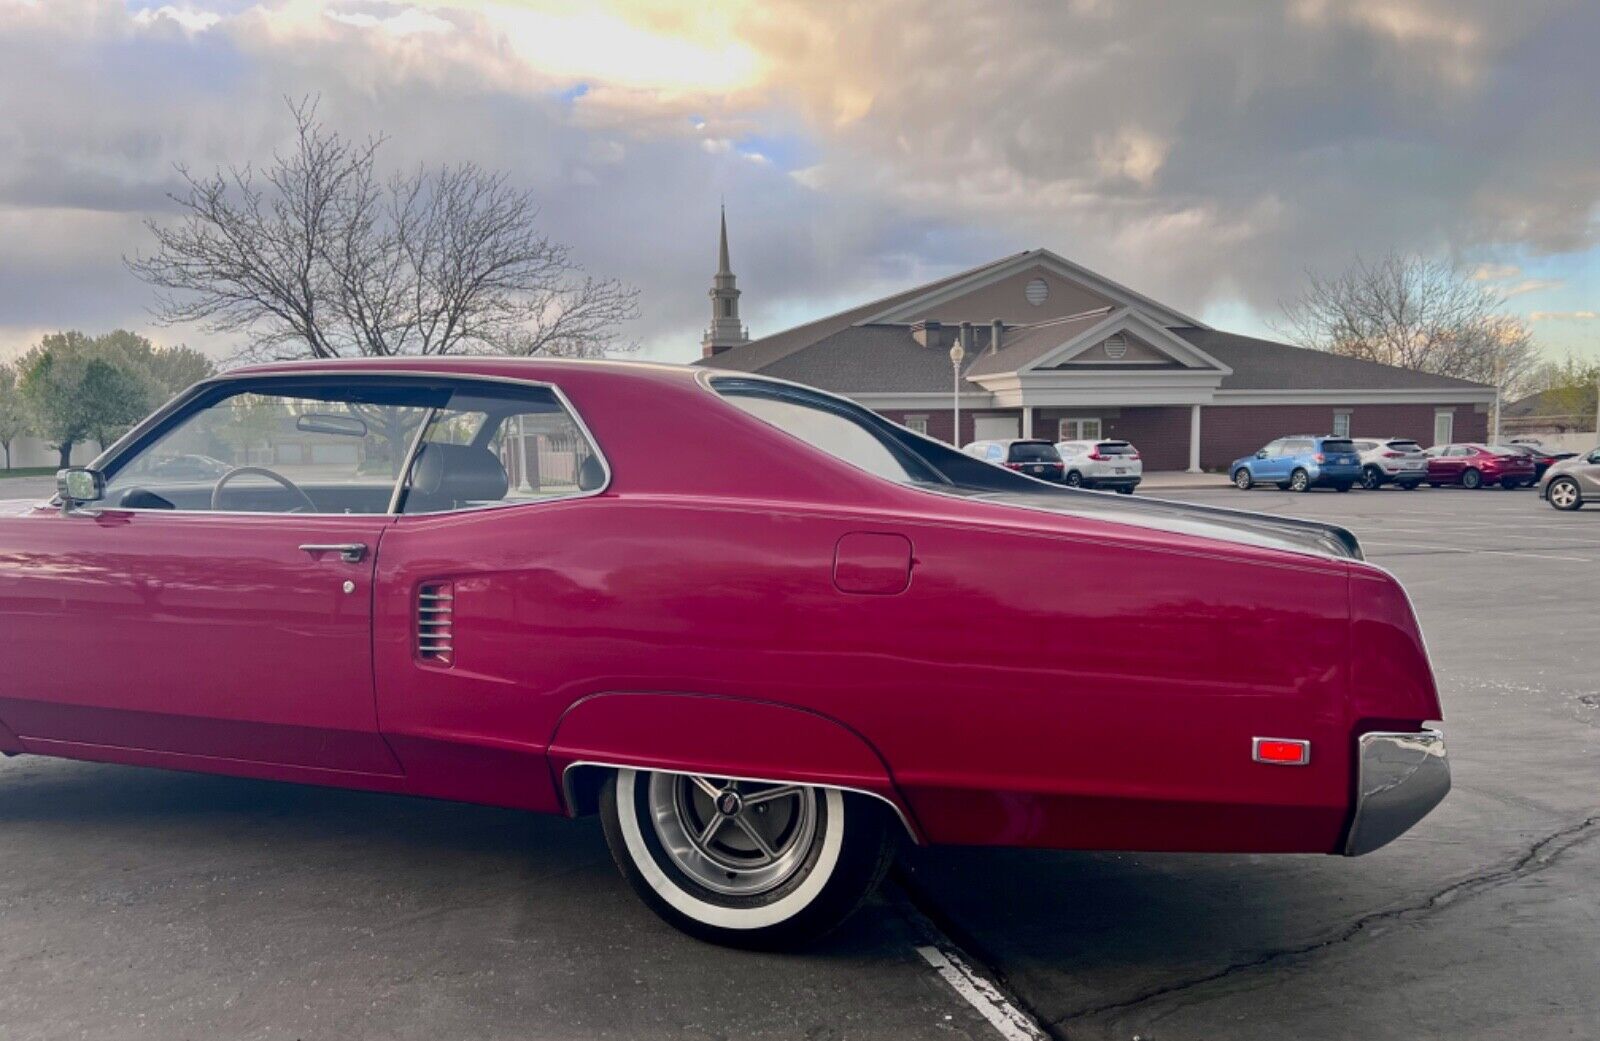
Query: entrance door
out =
(1444, 427)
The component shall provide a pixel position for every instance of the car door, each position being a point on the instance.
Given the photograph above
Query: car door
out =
(190, 622)
(1446, 467)
(1588, 475)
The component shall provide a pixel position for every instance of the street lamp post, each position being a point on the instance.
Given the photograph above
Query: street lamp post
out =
(956, 354)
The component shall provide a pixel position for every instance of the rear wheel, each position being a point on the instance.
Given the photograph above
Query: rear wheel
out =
(1242, 479)
(1564, 494)
(1074, 479)
(1471, 479)
(742, 863)
(1371, 478)
(1299, 481)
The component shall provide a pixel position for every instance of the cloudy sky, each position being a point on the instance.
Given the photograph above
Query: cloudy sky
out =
(1204, 160)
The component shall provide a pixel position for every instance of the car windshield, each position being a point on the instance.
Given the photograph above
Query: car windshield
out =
(1331, 447)
(1114, 448)
(1034, 452)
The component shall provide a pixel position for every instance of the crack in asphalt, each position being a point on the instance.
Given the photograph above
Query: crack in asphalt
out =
(1536, 858)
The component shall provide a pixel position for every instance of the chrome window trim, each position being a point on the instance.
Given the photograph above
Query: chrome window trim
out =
(567, 794)
(166, 411)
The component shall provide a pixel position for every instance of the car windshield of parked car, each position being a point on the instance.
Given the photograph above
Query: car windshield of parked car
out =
(1404, 446)
(1034, 452)
(307, 450)
(830, 426)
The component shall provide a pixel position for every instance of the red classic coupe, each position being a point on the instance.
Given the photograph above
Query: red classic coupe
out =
(762, 631)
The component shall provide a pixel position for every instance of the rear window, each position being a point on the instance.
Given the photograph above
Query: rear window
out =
(1405, 446)
(1331, 447)
(1114, 448)
(1034, 452)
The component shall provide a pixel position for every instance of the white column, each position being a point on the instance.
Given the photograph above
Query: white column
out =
(1194, 439)
(1027, 421)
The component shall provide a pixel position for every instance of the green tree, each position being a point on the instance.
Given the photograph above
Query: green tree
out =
(76, 387)
(172, 369)
(13, 416)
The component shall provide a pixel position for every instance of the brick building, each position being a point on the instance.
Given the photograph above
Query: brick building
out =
(1053, 350)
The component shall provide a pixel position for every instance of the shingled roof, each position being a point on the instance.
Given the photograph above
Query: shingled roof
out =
(1267, 365)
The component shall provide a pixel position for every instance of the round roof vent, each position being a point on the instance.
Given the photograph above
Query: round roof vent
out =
(1037, 291)
(1116, 347)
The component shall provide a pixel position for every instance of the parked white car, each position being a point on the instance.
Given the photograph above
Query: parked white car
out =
(1399, 461)
(1102, 463)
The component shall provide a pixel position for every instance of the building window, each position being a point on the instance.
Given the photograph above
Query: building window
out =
(917, 425)
(1444, 426)
(1341, 424)
(1080, 429)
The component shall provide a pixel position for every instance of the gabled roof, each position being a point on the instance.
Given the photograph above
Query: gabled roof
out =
(911, 305)
(1182, 351)
(757, 354)
(1266, 365)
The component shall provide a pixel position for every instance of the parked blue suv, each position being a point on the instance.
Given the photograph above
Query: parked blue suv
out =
(1301, 464)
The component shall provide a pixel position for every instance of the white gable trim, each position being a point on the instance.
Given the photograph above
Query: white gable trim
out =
(1128, 320)
(917, 306)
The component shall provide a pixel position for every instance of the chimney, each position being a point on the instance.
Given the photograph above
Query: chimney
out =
(928, 332)
(966, 338)
(997, 332)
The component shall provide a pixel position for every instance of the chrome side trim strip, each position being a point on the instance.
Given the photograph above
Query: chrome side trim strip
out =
(567, 795)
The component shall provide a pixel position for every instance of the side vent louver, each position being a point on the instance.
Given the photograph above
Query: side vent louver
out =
(435, 601)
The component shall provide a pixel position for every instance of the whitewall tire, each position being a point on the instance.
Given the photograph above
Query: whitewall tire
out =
(743, 863)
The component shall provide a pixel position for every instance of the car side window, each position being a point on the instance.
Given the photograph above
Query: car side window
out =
(994, 453)
(254, 448)
(500, 446)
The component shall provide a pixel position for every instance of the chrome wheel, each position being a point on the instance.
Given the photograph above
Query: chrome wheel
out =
(1564, 494)
(1300, 481)
(736, 838)
(1242, 479)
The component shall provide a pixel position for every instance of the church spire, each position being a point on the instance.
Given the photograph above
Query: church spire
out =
(725, 330)
(722, 247)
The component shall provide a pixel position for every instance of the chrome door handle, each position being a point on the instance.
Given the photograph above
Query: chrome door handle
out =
(349, 552)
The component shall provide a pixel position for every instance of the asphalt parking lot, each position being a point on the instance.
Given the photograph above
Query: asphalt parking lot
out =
(137, 903)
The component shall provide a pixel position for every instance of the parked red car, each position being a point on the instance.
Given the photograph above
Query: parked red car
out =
(759, 629)
(1474, 466)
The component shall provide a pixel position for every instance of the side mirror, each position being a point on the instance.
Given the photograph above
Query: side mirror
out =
(1261, 454)
(77, 485)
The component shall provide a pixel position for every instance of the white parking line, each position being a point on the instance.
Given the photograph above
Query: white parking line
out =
(1012, 1023)
(1489, 530)
(1436, 548)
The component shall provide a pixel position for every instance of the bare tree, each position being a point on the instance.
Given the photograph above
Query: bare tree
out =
(320, 256)
(1417, 314)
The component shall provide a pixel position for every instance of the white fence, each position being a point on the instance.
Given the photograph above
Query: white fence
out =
(30, 451)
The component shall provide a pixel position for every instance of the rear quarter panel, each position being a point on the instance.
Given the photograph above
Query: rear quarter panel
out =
(1028, 687)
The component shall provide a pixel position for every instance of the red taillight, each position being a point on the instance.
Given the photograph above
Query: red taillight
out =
(1280, 751)
(1135, 455)
(1394, 455)
(1319, 457)
(1013, 466)
(1096, 456)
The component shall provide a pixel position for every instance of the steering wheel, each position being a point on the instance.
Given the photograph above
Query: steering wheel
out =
(258, 471)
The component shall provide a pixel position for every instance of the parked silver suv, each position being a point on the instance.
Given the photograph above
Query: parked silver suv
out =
(1102, 463)
(1569, 484)
(1399, 461)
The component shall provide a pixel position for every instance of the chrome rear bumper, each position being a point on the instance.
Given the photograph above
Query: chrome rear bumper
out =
(1401, 777)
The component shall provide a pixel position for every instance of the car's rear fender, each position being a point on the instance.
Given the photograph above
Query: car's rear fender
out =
(1391, 679)
(724, 737)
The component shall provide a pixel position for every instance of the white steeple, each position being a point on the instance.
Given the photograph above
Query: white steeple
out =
(725, 330)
